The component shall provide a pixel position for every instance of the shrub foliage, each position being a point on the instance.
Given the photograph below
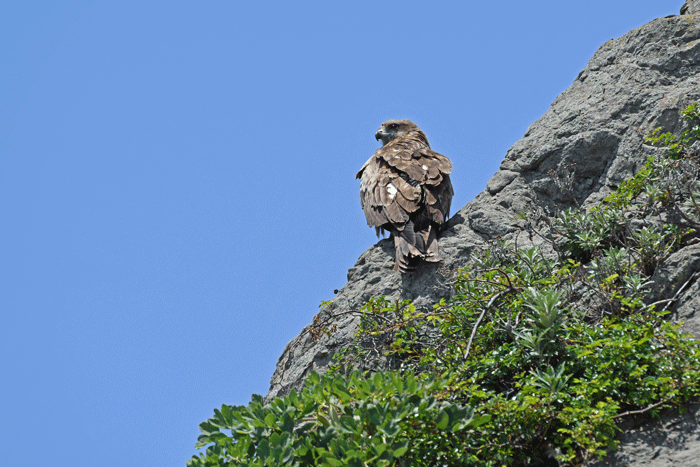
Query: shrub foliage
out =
(534, 361)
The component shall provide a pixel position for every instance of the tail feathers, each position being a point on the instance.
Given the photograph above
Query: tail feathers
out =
(411, 247)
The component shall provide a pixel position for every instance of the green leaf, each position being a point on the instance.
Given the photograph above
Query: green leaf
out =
(287, 423)
(287, 455)
(333, 462)
(313, 378)
(374, 415)
(379, 446)
(349, 425)
(263, 450)
(378, 379)
(257, 399)
(442, 420)
(399, 449)
(411, 384)
(477, 422)
(341, 391)
(390, 428)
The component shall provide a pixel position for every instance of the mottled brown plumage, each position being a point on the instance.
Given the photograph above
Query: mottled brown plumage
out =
(405, 189)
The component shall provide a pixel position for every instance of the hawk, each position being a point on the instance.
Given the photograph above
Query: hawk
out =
(405, 189)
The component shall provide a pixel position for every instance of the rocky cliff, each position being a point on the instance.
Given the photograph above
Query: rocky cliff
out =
(594, 134)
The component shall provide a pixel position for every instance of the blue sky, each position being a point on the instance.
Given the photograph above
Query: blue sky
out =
(177, 188)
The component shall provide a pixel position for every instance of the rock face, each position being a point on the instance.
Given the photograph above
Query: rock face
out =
(691, 7)
(672, 441)
(594, 130)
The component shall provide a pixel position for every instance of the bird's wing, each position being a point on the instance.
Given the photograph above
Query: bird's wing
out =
(398, 181)
(428, 169)
(422, 165)
(438, 199)
(385, 196)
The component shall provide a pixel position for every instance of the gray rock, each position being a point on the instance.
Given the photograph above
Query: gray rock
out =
(691, 7)
(676, 278)
(587, 143)
(671, 441)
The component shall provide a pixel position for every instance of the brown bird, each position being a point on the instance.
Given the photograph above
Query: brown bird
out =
(405, 189)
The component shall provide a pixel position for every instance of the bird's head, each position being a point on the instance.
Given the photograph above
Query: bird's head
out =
(391, 129)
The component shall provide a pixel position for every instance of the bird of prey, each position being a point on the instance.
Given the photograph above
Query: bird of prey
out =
(405, 189)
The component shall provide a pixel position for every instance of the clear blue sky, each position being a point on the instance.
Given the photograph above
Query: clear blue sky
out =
(177, 188)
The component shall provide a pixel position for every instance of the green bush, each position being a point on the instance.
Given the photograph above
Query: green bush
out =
(386, 419)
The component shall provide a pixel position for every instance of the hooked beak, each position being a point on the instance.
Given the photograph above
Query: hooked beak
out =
(380, 135)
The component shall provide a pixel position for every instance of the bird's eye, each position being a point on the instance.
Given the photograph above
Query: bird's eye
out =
(393, 126)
